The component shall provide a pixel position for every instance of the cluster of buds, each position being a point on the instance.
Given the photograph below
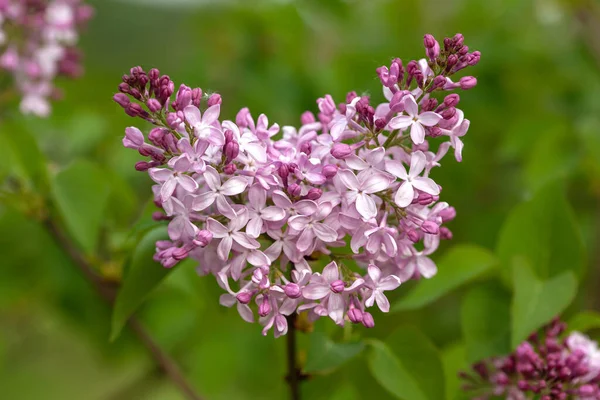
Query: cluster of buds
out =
(544, 367)
(37, 44)
(260, 207)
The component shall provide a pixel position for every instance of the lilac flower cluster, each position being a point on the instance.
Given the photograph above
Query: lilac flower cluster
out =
(545, 367)
(258, 205)
(37, 43)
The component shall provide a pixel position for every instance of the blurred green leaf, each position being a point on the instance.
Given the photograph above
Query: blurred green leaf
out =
(454, 360)
(22, 156)
(324, 355)
(143, 275)
(387, 369)
(460, 265)
(543, 231)
(485, 318)
(536, 301)
(408, 365)
(81, 193)
(584, 321)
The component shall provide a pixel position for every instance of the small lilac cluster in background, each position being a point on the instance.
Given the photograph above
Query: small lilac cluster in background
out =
(545, 367)
(37, 44)
(258, 205)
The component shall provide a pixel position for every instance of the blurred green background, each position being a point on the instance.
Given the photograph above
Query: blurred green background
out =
(535, 118)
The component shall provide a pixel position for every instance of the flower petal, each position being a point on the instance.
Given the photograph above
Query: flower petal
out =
(365, 205)
(224, 248)
(418, 161)
(245, 241)
(348, 178)
(192, 115)
(325, 233)
(315, 291)
(305, 240)
(216, 228)
(298, 222)
(426, 185)
(374, 183)
(212, 178)
(203, 201)
(211, 114)
(410, 106)
(374, 273)
(335, 308)
(417, 133)
(396, 168)
(429, 118)
(233, 186)
(400, 122)
(405, 195)
(187, 182)
(382, 301)
(331, 272)
(273, 213)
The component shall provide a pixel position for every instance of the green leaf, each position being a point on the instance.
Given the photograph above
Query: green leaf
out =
(460, 265)
(143, 275)
(485, 319)
(454, 360)
(536, 301)
(543, 231)
(22, 157)
(325, 355)
(408, 365)
(81, 193)
(395, 377)
(584, 321)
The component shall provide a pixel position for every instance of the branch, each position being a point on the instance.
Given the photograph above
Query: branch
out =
(108, 291)
(294, 374)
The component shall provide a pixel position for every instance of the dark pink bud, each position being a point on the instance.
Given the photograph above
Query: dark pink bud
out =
(337, 286)
(367, 320)
(292, 290)
(447, 214)
(142, 166)
(241, 119)
(232, 149)
(183, 97)
(445, 233)
(523, 385)
(159, 216)
(458, 40)
(474, 58)
(351, 96)
(156, 136)
(153, 105)
(203, 238)
(121, 99)
(306, 148)
(341, 150)
(244, 297)
(294, 190)
(438, 83)
(451, 100)
(214, 99)
(448, 113)
(196, 97)
(283, 171)
(434, 131)
(265, 307)
(413, 235)
(307, 118)
(355, 315)
(430, 227)
(587, 390)
(432, 47)
(228, 136)
(230, 169)
(314, 194)
(423, 199)
(467, 82)
(452, 60)
(180, 253)
(429, 41)
(134, 110)
(329, 170)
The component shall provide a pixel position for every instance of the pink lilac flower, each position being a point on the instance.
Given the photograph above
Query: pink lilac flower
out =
(37, 45)
(545, 366)
(261, 211)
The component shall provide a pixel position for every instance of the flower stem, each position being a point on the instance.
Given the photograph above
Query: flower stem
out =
(294, 375)
(108, 291)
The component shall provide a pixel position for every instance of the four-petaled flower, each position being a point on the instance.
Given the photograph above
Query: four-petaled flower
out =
(415, 120)
(406, 193)
(378, 285)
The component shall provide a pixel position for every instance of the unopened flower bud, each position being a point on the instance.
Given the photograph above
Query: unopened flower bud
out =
(232, 149)
(307, 118)
(445, 233)
(355, 315)
(413, 235)
(230, 169)
(241, 119)
(467, 82)
(180, 253)
(452, 60)
(121, 99)
(430, 227)
(447, 214)
(337, 286)
(203, 238)
(306, 148)
(367, 320)
(451, 100)
(244, 297)
(265, 307)
(448, 113)
(294, 190)
(214, 99)
(292, 290)
(153, 105)
(341, 150)
(434, 131)
(142, 166)
(133, 138)
(329, 170)
(314, 194)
